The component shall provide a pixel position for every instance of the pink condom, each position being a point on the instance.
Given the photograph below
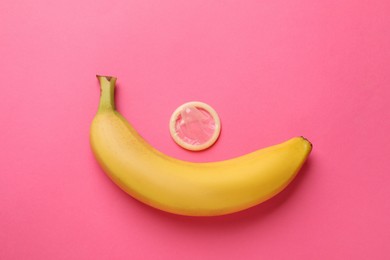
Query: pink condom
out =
(195, 126)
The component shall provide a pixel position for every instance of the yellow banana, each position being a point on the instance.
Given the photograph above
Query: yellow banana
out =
(187, 188)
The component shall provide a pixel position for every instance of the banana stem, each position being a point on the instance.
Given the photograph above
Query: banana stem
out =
(107, 91)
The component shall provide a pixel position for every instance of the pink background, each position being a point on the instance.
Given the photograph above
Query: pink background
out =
(272, 70)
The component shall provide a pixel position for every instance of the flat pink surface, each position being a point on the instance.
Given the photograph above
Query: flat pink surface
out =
(272, 70)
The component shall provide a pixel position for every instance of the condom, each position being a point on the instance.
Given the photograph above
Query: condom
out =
(195, 126)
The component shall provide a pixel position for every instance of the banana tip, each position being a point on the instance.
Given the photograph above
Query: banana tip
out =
(107, 77)
(307, 140)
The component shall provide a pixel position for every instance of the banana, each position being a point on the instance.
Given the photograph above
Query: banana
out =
(187, 188)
